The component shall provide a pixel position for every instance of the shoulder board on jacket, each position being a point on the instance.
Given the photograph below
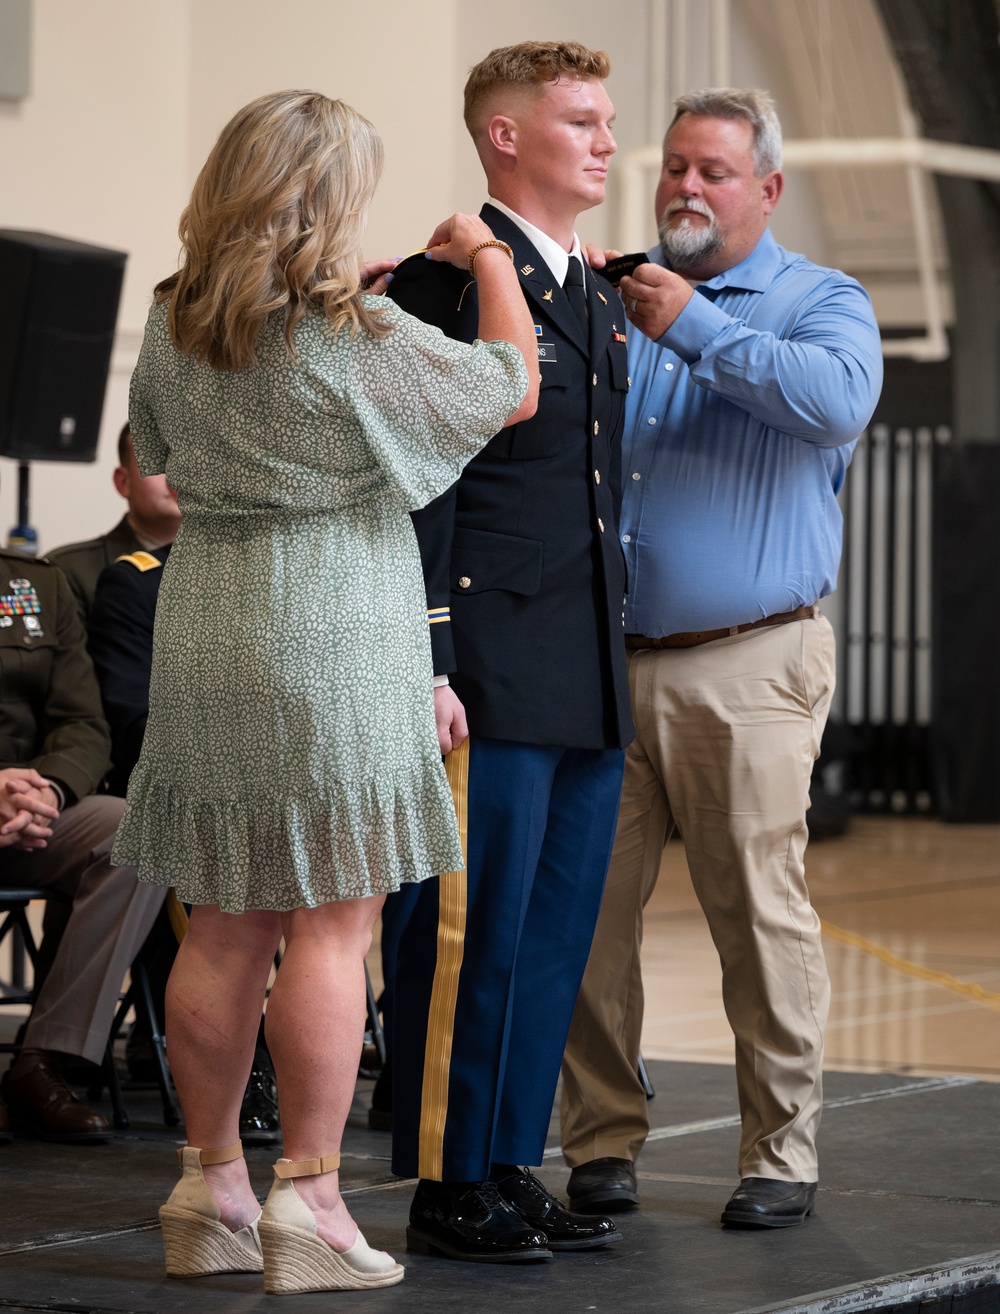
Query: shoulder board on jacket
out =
(141, 560)
(441, 274)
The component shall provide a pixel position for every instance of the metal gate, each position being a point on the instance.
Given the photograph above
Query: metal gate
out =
(885, 655)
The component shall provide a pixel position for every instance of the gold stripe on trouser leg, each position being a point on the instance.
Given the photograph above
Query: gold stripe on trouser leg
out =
(177, 915)
(444, 992)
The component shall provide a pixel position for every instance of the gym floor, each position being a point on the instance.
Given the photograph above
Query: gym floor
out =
(909, 1200)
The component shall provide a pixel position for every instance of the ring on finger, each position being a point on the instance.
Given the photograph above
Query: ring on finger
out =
(633, 305)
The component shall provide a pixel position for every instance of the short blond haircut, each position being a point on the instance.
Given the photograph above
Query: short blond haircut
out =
(275, 225)
(530, 66)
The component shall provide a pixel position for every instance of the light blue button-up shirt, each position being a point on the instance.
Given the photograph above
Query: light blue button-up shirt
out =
(740, 425)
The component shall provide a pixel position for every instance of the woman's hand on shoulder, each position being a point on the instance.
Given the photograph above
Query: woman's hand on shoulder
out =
(453, 239)
(376, 275)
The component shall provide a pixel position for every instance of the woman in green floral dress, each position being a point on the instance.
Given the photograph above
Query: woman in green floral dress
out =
(290, 775)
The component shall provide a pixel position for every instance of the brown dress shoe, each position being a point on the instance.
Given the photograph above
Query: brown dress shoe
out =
(39, 1101)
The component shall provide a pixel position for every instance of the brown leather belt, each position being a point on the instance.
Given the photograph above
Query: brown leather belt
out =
(692, 638)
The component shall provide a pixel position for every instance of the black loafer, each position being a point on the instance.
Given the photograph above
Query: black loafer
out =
(139, 1058)
(764, 1202)
(539, 1209)
(260, 1123)
(473, 1222)
(603, 1186)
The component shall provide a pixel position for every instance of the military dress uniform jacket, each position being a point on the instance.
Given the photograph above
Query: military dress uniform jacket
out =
(50, 705)
(525, 576)
(120, 638)
(83, 562)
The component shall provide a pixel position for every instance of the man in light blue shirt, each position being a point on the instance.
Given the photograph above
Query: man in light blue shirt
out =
(753, 373)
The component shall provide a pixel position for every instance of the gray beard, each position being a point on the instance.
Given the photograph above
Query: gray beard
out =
(687, 247)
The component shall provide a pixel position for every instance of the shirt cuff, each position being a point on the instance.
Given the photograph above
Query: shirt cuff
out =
(440, 681)
(695, 328)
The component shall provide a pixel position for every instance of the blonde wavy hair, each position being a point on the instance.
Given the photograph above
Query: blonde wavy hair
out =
(275, 224)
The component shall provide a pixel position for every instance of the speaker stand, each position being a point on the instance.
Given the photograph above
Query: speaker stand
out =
(23, 537)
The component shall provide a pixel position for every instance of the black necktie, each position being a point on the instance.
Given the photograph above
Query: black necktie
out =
(573, 287)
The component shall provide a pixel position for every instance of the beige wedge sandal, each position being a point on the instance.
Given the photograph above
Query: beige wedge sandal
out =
(296, 1258)
(195, 1240)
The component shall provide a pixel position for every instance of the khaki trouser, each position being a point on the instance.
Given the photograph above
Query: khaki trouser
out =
(111, 917)
(727, 734)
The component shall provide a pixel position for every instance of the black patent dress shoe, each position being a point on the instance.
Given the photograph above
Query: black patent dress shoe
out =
(259, 1120)
(471, 1221)
(764, 1202)
(539, 1209)
(603, 1186)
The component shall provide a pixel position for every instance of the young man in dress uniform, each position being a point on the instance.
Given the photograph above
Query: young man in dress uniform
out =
(151, 522)
(57, 833)
(525, 584)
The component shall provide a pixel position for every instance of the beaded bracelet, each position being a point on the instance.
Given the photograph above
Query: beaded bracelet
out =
(493, 241)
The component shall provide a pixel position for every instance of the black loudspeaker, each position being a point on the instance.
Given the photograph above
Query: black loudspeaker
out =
(58, 306)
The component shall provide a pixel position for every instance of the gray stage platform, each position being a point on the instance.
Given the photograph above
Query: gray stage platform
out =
(908, 1207)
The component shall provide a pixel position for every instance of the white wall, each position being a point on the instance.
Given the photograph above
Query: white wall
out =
(98, 152)
(394, 62)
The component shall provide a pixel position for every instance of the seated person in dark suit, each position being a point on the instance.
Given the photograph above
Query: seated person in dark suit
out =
(56, 832)
(151, 521)
(120, 638)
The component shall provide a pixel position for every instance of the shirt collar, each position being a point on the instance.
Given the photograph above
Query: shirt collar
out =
(755, 273)
(551, 252)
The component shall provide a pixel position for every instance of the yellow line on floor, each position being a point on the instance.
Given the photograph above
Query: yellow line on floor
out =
(970, 990)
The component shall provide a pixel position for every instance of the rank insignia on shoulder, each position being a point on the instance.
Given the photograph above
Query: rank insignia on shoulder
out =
(141, 560)
(527, 269)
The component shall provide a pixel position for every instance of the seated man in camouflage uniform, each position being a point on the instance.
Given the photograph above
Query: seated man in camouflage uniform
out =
(56, 832)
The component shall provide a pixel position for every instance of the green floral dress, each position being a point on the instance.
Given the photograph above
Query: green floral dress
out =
(291, 755)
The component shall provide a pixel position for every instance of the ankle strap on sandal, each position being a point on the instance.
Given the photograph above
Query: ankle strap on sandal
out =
(307, 1167)
(226, 1155)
